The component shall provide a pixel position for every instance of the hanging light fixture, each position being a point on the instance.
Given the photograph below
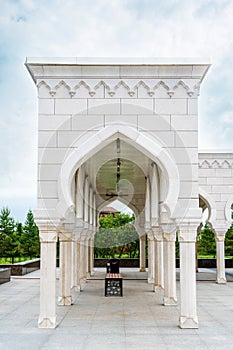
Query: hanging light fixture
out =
(118, 146)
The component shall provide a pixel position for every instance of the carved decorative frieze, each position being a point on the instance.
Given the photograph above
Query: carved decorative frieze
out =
(215, 164)
(111, 86)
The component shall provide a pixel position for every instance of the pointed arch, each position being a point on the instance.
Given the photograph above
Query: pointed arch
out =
(151, 147)
(209, 203)
(110, 200)
(228, 208)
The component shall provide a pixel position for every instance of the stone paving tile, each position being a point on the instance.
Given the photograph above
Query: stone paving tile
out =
(136, 321)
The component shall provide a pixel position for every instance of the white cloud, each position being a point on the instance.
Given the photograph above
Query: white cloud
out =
(103, 28)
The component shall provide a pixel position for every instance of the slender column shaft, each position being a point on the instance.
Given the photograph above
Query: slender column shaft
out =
(82, 260)
(65, 274)
(73, 265)
(87, 254)
(47, 317)
(187, 238)
(169, 270)
(220, 255)
(151, 258)
(188, 311)
(142, 253)
(159, 268)
(77, 266)
(91, 256)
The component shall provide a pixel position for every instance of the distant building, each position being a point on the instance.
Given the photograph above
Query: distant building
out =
(108, 210)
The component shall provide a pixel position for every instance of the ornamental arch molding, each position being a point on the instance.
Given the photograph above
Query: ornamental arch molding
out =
(228, 208)
(149, 146)
(207, 199)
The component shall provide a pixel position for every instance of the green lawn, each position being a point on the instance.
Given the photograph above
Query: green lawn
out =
(8, 260)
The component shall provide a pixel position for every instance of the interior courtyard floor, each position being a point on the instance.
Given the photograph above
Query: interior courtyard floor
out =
(138, 320)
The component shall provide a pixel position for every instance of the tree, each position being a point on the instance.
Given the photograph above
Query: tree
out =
(30, 238)
(206, 243)
(116, 236)
(9, 243)
(229, 240)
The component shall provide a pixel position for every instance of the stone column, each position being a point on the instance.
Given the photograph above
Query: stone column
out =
(65, 297)
(91, 262)
(87, 256)
(48, 239)
(73, 265)
(82, 260)
(188, 309)
(169, 269)
(76, 277)
(220, 258)
(159, 270)
(151, 257)
(143, 253)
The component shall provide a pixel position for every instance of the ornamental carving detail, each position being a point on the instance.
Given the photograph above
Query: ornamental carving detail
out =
(112, 87)
(215, 164)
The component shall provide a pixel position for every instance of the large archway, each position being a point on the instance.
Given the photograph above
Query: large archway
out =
(149, 147)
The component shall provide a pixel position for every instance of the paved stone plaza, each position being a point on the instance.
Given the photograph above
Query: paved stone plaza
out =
(135, 321)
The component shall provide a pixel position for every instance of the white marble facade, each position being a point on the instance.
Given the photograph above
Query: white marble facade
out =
(143, 113)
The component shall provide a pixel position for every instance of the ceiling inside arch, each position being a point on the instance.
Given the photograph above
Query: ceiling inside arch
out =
(118, 171)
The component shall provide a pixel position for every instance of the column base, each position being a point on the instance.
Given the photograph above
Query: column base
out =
(221, 280)
(47, 322)
(142, 269)
(64, 301)
(188, 322)
(157, 289)
(169, 301)
(151, 280)
(82, 285)
(76, 288)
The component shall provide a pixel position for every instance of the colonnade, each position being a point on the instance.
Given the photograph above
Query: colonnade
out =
(76, 243)
(76, 252)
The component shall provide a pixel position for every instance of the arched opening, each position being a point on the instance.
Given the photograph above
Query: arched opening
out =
(206, 241)
(102, 148)
(118, 171)
(116, 236)
(229, 239)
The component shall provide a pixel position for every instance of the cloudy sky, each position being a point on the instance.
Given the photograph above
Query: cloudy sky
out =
(141, 28)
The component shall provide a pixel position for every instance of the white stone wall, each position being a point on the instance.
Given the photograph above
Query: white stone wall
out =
(75, 102)
(216, 184)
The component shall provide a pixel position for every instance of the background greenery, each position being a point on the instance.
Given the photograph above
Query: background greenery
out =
(18, 241)
(116, 238)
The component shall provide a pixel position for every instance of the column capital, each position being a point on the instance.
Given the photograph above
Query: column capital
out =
(150, 235)
(83, 237)
(65, 236)
(220, 230)
(220, 237)
(169, 237)
(47, 225)
(168, 227)
(187, 231)
(48, 236)
(66, 229)
(158, 234)
(142, 237)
